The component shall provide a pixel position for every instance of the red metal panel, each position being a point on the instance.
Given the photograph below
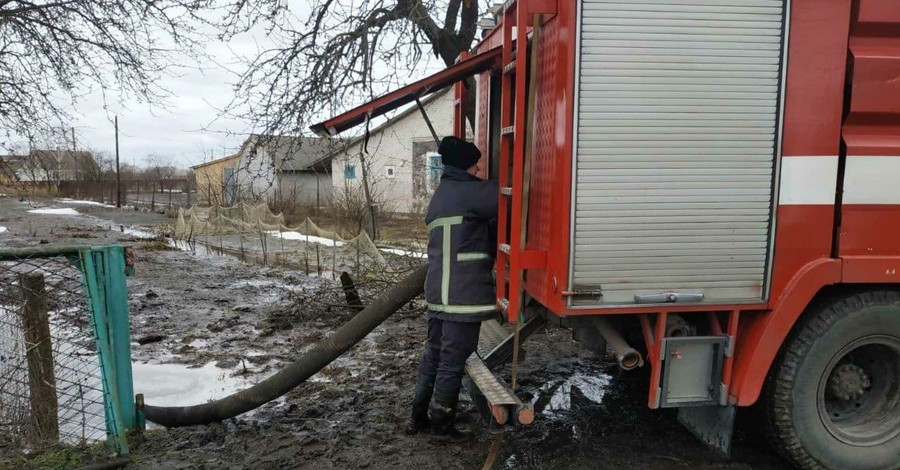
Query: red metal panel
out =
(878, 11)
(547, 7)
(870, 229)
(813, 112)
(544, 157)
(549, 211)
(473, 65)
(870, 214)
(761, 336)
(871, 270)
(876, 79)
(871, 135)
(814, 103)
(815, 84)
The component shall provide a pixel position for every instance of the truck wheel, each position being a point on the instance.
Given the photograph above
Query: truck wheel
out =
(834, 395)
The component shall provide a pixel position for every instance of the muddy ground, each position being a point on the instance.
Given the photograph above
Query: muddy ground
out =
(246, 321)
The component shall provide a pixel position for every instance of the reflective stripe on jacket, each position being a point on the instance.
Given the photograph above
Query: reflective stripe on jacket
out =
(462, 243)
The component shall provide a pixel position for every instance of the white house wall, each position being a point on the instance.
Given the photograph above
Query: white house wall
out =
(393, 147)
(306, 187)
(255, 176)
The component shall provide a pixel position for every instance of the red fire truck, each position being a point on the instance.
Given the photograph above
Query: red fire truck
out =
(716, 182)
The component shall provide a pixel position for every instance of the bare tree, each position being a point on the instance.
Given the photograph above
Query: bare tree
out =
(343, 52)
(97, 173)
(52, 49)
(158, 170)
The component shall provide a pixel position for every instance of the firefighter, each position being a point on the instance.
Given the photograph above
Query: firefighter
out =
(459, 289)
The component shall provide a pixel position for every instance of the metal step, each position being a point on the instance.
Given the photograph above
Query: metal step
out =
(501, 402)
(494, 396)
(501, 352)
(492, 335)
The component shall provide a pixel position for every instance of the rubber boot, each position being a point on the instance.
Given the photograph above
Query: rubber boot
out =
(443, 429)
(418, 420)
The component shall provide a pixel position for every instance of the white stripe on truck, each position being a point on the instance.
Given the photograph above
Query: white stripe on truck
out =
(872, 180)
(808, 180)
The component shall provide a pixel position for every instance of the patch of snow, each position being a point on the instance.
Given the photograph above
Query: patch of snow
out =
(593, 387)
(63, 211)
(411, 254)
(199, 343)
(3, 229)
(180, 385)
(83, 203)
(302, 237)
(138, 233)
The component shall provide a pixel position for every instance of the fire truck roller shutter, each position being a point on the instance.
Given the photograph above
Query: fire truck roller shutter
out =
(677, 128)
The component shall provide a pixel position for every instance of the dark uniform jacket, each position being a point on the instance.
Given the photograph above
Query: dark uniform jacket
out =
(462, 244)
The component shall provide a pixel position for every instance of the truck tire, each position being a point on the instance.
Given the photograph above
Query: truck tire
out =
(833, 398)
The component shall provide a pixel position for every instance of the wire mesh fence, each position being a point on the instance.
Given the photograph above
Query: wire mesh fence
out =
(51, 388)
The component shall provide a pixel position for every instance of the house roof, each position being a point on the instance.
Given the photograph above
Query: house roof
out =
(218, 160)
(10, 164)
(292, 153)
(71, 160)
(12, 161)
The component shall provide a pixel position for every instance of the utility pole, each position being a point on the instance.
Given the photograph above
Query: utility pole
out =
(118, 176)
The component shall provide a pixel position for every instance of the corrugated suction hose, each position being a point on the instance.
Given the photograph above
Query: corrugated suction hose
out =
(297, 372)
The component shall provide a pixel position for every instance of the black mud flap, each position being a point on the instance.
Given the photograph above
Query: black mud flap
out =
(713, 425)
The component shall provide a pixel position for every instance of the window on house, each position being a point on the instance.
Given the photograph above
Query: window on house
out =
(435, 169)
(350, 172)
(389, 170)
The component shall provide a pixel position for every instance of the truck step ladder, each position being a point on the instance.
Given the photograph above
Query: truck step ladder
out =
(516, 105)
(494, 397)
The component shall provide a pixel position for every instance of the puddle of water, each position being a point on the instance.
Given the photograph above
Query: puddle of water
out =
(180, 385)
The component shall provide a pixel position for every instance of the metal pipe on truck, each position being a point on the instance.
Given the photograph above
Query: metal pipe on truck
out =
(628, 357)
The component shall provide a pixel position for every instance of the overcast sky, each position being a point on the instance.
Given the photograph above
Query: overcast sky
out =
(189, 130)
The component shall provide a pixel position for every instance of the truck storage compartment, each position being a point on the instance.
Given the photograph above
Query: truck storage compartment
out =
(677, 121)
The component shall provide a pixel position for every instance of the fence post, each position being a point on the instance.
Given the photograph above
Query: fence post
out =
(104, 274)
(39, 355)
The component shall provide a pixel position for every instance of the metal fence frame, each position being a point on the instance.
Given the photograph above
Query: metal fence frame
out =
(103, 271)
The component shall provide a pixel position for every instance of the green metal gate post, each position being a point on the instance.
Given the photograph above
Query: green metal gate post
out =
(104, 274)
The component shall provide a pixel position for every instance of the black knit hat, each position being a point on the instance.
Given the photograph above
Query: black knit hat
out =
(459, 153)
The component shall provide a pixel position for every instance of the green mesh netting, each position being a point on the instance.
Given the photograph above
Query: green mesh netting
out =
(199, 222)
